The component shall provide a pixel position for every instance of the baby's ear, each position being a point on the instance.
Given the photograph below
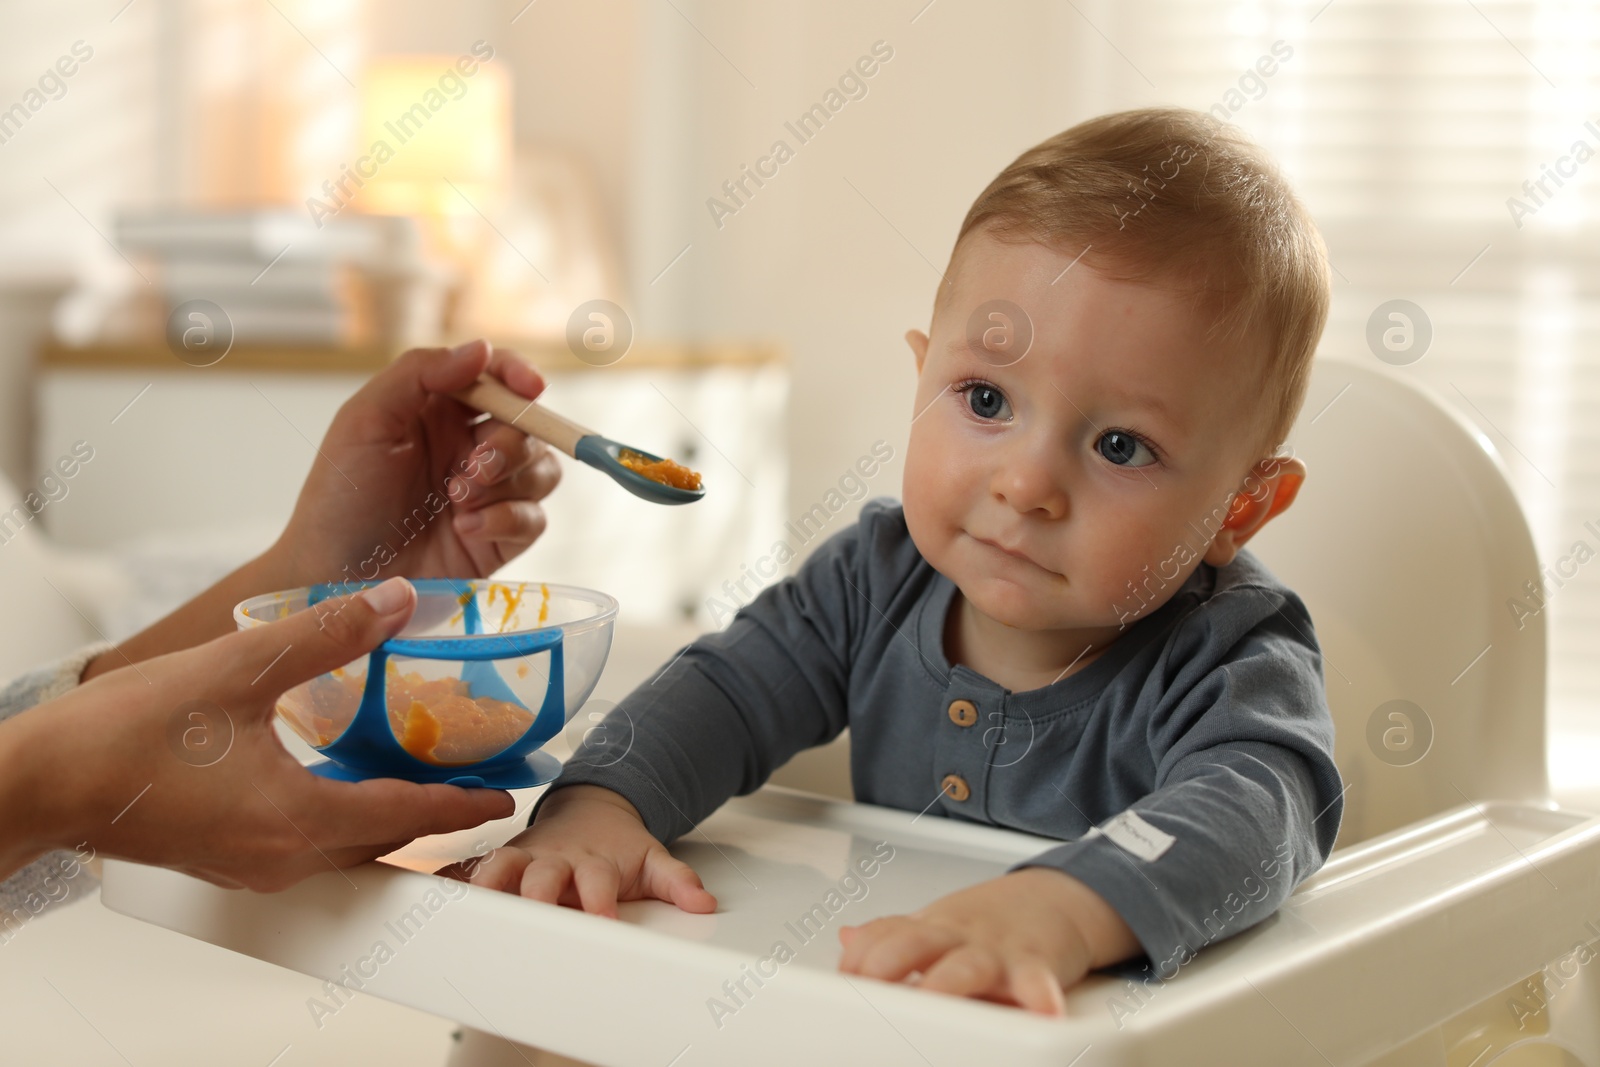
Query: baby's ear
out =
(1268, 490)
(919, 346)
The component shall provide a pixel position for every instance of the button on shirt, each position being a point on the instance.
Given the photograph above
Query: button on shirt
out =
(963, 712)
(1188, 770)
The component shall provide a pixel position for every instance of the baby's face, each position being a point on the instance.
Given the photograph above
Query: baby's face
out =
(1042, 485)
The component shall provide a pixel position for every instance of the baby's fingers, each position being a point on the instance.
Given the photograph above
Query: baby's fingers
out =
(974, 971)
(500, 869)
(893, 947)
(596, 882)
(546, 879)
(966, 971)
(668, 878)
(856, 940)
(1036, 988)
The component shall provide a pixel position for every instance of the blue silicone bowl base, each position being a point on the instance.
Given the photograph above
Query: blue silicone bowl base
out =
(539, 768)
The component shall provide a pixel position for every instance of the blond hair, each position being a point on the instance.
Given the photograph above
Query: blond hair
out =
(1172, 196)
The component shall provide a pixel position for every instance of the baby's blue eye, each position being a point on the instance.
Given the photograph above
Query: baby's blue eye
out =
(1124, 449)
(987, 402)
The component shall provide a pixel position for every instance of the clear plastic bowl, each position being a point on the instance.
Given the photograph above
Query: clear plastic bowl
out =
(483, 675)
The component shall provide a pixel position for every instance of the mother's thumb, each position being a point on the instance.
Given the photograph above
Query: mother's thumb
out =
(327, 635)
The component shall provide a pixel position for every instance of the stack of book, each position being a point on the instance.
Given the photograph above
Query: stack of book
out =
(279, 277)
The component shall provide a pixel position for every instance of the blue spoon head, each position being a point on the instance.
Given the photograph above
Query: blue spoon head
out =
(601, 454)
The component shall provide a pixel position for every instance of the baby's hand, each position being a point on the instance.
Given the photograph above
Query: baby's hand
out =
(588, 848)
(1020, 939)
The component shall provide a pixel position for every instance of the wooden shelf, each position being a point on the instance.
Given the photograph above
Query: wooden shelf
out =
(156, 356)
(552, 356)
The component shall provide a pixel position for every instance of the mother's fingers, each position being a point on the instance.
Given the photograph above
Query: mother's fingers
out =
(499, 450)
(384, 810)
(393, 397)
(518, 374)
(507, 451)
(527, 471)
(497, 533)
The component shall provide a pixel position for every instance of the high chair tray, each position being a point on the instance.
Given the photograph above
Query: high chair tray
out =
(1391, 937)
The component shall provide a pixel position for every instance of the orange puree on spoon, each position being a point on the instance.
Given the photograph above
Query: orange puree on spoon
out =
(664, 471)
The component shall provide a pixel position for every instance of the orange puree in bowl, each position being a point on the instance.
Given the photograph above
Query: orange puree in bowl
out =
(436, 720)
(664, 471)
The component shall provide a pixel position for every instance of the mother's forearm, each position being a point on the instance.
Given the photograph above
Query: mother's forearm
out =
(30, 823)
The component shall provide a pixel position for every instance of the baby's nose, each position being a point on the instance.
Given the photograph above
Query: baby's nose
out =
(1030, 484)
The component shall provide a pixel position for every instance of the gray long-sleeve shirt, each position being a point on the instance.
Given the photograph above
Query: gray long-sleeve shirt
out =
(57, 876)
(1188, 770)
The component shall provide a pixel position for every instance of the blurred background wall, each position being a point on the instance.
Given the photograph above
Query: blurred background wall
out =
(1410, 128)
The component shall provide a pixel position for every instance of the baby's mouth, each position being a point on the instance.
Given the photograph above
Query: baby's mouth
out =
(1016, 554)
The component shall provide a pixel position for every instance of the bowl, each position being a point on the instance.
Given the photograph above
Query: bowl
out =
(481, 677)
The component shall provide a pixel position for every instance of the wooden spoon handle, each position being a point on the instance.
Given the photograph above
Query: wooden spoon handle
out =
(487, 394)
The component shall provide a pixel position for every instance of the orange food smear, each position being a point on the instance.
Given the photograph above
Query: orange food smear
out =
(513, 601)
(664, 471)
(544, 602)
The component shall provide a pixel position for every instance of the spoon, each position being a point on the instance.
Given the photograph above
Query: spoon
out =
(583, 445)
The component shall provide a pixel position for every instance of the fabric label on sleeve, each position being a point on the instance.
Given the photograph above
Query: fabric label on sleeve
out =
(1135, 835)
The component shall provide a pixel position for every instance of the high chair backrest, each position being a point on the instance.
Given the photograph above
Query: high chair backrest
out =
(1412, 555)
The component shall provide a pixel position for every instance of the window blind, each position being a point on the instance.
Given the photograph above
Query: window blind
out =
(1450, 153)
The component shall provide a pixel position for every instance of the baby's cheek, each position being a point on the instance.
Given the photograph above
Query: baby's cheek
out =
(1110, 557)
(1149, 569)
(924, 527)
(927, 483)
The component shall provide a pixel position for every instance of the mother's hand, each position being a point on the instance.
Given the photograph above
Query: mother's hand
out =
(117, 763)
(407, 483)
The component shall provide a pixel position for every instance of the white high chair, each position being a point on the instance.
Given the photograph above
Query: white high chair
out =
(1450, 928)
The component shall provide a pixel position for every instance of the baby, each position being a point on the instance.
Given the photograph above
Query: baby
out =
(1057, 631)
